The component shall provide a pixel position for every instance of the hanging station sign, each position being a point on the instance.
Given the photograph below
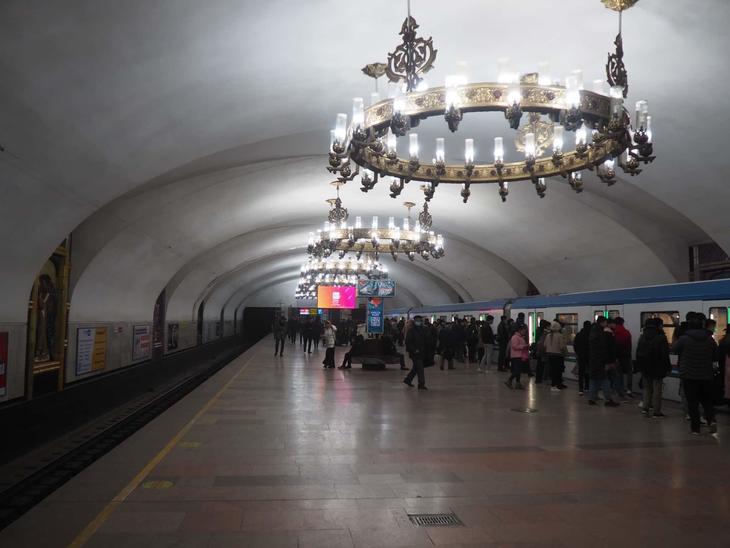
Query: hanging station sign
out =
(375, 315)
(375, 288)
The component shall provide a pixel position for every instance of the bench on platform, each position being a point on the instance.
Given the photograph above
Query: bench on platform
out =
(375, 354)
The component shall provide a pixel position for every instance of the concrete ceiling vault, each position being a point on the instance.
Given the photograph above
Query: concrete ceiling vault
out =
(182, 144)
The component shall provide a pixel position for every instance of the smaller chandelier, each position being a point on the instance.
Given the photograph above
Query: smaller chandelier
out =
(411, 239)
(316, 272)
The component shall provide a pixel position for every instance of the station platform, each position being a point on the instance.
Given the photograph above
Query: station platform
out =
(277, 452)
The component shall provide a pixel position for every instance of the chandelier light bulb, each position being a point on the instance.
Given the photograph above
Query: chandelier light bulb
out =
(609, 164)
(422, 86)
(326, 227)
(374, 98)
(391, 222)
(469, 151)
(543, 73)
(440, 149)
(529, 145)
(398, 104)
(391, 141)
(642, 110)
(498, 150)
(332, 139)
(396, 234)
(504, 72)
(578, 74)
(599, 86)
(375, 222)
(358, 222)
(649, 132)
(440, 241)
(358, 112)
(558, 132)
(343, 224)
(341, 128)
(417, 228)
(413, 145)
(581, 137)
(572, 91)
(514, 95)
(406, 223)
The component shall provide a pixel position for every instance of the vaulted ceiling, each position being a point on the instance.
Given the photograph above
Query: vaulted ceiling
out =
(183, 144)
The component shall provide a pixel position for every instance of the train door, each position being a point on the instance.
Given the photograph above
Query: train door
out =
(608, 311)
(534, 318)
(719, 311)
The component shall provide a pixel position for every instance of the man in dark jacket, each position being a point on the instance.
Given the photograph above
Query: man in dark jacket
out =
(623, 356)
(652, 357)
(472, 340)
(697, 351)
(581, 346)
(446, 345)
(417, 348)
(601, 356)
(502, 341)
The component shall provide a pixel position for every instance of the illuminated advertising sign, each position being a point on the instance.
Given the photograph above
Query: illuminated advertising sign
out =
(336, 296)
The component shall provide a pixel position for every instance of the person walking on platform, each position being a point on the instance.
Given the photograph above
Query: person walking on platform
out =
(488, 339)
(329, 338)
(652, 357)
(291, 328)
(502, 341)
(472, 339)
(446, 344)
(417, 348)
(519, 351)
(697, 352)
(601, 358)
(308, 336)
(555, 349)
(317, 332)
(581, 346)
(279, 330)
(624, 367)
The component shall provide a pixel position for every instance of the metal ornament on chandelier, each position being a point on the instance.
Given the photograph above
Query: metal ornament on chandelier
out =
(411, 238)
(603, 132)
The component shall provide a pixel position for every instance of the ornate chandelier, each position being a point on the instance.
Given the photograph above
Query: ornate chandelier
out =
(411, 239)
(602, 129)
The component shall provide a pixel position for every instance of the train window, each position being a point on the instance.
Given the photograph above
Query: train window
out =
(598, 313)
(720, 315)
(569, 321)
(670, 319)
(613, 314)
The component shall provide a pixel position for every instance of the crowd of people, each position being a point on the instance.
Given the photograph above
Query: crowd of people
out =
(605, 359)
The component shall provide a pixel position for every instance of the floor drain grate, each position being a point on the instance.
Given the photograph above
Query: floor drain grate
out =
(435, 520)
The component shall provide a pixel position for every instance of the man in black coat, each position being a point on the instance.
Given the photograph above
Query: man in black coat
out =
(652, 357)
(417, 348)
(502, 341)
(601, 354)
(697, 352)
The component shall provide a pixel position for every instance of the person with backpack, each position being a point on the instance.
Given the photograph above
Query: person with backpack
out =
(555, 348)
(652, 357)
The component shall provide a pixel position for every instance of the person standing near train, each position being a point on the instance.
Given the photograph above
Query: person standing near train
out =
(519, 352)
(555, 348)
(502, 342)
(652, 357)
(581, 346)
(602, 358)
(624, 367)
(697, 352)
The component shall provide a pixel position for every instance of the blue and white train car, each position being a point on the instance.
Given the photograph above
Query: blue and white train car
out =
(669, 302)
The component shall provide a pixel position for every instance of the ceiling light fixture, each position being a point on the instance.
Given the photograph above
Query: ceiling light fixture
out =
(367, 146)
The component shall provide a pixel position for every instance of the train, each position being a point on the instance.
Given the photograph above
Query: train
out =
(670, 302)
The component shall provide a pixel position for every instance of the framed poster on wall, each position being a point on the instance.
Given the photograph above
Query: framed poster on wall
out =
(3, 364)
(141, 342)
(90, 349)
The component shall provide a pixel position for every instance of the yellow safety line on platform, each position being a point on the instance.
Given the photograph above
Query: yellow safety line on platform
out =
(89, 531)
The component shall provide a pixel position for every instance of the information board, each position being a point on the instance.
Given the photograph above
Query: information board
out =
(90, 349)
(141, 342)
(375, 315)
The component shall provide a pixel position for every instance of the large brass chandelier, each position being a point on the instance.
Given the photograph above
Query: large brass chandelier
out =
(603, 135)
(412, 239)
